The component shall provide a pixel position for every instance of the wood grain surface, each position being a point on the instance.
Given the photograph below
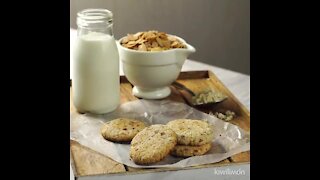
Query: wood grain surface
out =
(87, 162)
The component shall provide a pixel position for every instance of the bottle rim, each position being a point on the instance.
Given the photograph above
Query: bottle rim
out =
(94, 16)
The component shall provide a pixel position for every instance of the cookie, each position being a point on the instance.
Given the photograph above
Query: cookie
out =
(152, 144)
(192, 132)
(188, 151)
(122, 129)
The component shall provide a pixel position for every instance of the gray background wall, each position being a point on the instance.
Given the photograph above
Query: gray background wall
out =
(218, 29)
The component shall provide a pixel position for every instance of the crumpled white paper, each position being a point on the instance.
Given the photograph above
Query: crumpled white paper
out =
(228, 139)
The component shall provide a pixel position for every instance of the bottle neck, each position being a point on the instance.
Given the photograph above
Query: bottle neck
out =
(95, 20)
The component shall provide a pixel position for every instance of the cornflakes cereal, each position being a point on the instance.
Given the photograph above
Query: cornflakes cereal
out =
(151, 41)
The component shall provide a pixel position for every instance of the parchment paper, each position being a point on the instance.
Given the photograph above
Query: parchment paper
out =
(228, 139)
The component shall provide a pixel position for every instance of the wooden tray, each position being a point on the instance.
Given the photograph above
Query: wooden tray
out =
(88, 163)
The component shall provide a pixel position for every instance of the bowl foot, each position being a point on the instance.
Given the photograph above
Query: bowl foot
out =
(158, 93)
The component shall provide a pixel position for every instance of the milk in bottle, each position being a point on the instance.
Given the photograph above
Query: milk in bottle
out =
(96, 82)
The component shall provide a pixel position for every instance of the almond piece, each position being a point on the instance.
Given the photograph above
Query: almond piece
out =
(150, 36)
(159, 41)
(131, 37)
(140, 41)
(131, 43)
(174, 44)
(142, 47)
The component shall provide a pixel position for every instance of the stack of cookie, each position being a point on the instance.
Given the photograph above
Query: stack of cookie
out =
(194, 137)
(181, 137)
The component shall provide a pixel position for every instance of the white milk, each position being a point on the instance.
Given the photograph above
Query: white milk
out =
(96, 82)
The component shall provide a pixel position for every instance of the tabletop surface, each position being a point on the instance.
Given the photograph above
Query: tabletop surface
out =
(237, 83)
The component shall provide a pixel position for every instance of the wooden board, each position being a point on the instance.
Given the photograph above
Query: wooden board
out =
(86, 162)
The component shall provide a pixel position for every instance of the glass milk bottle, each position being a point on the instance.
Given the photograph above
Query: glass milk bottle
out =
(96, 80)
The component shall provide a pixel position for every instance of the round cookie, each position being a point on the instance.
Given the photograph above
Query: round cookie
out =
(122, 129)
(188, 151)
(192, 132)
(152, 144)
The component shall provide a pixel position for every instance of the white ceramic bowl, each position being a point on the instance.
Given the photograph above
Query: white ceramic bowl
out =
(151, 73)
